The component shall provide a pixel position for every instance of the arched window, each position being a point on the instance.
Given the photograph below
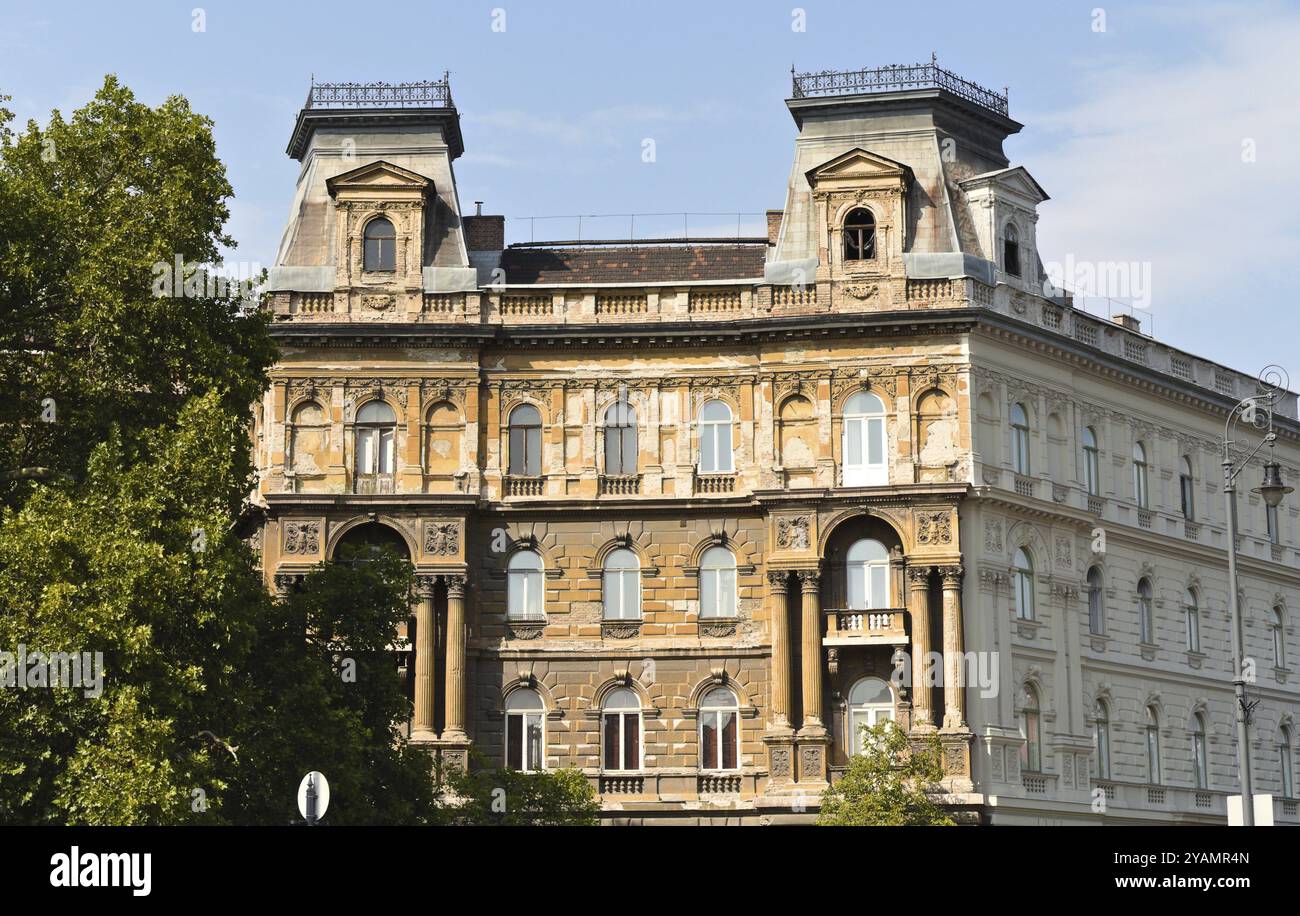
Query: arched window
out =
(1019, 439)
(1031, 752)
(621, 720)
(870, 703)
(1192, 611)
(444, 433)
(1146, 621)
(1187, 490)
(1096, 603)
(1022, 584)
(620, 440)
(1200, 768)
(1275, 624)
(717, 583)
(1011, 250)
(526, 441)
(375, 426)
(867, 564)
(1101, 740)
(1284, 761)
(380, 245)
(524, 589)
(1153, 746)
(715, 438)
(622, 586)
(719, 730)
(1091, 463)
(1140, 475)
(864, 441)
(525, 731)
(308, 439)
(859, 235)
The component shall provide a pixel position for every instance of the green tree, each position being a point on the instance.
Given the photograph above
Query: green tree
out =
(508, 798)
(888, 785)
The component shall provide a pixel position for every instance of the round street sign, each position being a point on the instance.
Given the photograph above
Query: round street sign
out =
(313, 794)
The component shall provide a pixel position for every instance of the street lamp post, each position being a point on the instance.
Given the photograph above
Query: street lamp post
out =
(1256, 411)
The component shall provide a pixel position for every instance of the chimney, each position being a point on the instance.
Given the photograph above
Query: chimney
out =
(773, 225)
(484, 233)
(1131, 322)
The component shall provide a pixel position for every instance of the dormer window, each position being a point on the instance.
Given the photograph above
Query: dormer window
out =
(859, 235)
(1011, 250)
(380, 245)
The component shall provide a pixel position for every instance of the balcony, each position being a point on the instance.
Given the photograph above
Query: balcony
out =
(524, 486)
(620, 484)
(712, 484)
(860, 627)
(896, 78)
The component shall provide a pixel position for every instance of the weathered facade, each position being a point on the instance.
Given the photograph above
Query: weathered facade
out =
(675, 506)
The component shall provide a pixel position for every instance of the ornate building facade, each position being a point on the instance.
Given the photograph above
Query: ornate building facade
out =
(685, 515)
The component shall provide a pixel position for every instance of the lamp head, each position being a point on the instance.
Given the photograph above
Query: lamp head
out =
(1272, 489)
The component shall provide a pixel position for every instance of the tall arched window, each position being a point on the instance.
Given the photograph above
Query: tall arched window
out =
(1011, 250)
(867, 564)
(380, 245)
(620, 440)
(1031, 752)
(1275, 625)
(375, 426)
(622, 586)
(308, 439)
(1146, 621)
(525, 731)
(1284, 761)
(715, 438)
(1096, 603)
(870, 703)
(1101, 740)
(859, 235)
(1192, 611)
(526, 441)
(717, 583)
(621, 721)
(1200, 767)
(525, 590)
(864, 441)
(1022, 584)
(719, 730)
(1153, 746)
(1091, 462)
(1019, 439)
(1187, 490)
(1140, 475)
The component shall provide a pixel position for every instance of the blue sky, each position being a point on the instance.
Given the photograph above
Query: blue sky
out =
(1136, 131)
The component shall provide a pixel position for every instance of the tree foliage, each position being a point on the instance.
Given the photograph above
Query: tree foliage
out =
(890, 784)
(507, 798)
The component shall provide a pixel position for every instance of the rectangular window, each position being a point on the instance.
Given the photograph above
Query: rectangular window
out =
(613, 741)
(622, 741)
(709, 740)
(1092, 472)
(1185, 487)
(709, 463)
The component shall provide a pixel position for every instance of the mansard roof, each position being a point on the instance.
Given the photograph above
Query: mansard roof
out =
(634, 263)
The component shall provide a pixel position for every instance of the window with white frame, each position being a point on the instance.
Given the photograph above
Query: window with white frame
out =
(1187, 490)
(1091, 463)
(867, 565)
(1192, 611)
(622, 585)
(1031, 752)
(859, 235)
(1019, 439)
(525, 441)
(719, 730)
(1153, 746)
(1146, 621)
(870, 703)
(525, 590)
(1096, 603)
(525, 731)
(1022, 584)
(1140, 475)
(620, 440)
(1200, 770)
(1101, 739)
(863, 451)
(1284, 761)
(375, 426)
(621, 723)
(717, 583)
(715, 438)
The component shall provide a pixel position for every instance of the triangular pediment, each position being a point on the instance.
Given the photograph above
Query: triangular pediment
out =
(858, 164)
(1015, 180)
(378, 175)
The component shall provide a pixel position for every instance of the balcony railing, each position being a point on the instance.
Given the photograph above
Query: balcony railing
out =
(894, 78)
(715, 483)
(858, 626)
(523, 486)
(435, 94)
(620, 484)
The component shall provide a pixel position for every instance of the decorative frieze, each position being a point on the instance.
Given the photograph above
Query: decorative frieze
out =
(302, 538)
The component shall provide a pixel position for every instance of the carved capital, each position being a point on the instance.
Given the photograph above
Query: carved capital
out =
(424, 586)
(778, 580)
(455, 586)
(951, 576)
(809, 579)
(919, 576)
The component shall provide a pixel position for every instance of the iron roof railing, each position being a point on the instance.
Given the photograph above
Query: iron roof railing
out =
(895, 77)
(433, 94)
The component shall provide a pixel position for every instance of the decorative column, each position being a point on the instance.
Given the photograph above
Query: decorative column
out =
(809, 580)
(425, 662)
(955, 736)
(918, 608)
(455, 725)
(778, 620)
